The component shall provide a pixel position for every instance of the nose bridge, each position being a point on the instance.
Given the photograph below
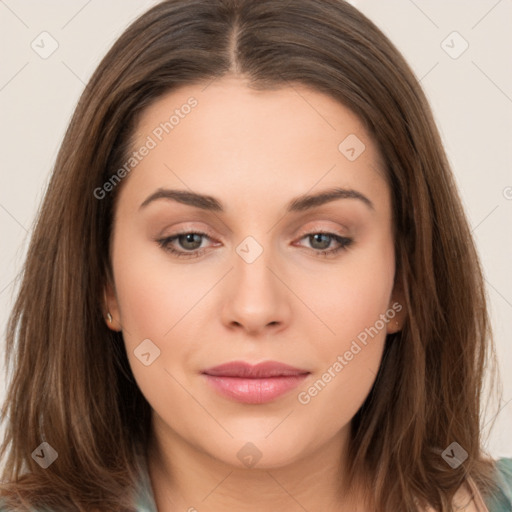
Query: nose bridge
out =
(257, 297)
(254, 278)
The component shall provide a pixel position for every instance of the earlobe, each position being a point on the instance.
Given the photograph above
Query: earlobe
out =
(397, 312)
(111, 308)
(394, 326)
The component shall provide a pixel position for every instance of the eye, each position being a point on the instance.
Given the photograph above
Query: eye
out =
(191, 241)
(321, 241)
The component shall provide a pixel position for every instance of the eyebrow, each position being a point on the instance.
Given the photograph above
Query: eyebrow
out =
(298, 204)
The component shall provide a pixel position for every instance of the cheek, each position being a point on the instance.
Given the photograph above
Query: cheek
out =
(345, 298)
(354, 304)
(154, 297)
(153, 294)
(350, 297)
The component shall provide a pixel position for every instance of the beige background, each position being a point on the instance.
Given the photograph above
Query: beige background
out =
(471, 96)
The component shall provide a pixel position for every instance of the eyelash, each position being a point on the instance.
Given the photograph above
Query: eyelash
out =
(165, 244)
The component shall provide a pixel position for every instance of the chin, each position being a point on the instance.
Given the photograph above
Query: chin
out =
(256, 452)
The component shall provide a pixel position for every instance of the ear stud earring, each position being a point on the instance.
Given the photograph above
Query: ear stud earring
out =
(109, 317)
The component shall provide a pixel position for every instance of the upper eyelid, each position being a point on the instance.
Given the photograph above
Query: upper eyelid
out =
(312, 230)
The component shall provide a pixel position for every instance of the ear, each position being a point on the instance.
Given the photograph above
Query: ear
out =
(397, 311)
(111, 308)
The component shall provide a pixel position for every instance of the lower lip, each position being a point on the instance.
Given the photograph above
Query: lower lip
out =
(255, 391)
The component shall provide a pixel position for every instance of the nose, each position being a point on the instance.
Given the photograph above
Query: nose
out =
(257, 299)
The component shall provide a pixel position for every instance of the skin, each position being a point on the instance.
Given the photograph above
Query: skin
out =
(254, 151)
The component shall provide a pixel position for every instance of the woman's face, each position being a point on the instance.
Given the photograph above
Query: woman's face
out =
(256, 284)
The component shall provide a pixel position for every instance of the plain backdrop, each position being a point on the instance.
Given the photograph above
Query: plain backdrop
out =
(459, 50)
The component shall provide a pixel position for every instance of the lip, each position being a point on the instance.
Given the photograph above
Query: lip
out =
(254, 384)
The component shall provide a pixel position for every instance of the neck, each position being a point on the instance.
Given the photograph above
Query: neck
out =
(185, 478)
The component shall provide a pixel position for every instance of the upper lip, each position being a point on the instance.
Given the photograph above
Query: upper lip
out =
(250, 371)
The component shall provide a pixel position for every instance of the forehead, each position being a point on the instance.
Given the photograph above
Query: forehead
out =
(226, 139)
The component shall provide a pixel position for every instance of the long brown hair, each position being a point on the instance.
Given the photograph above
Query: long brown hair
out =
(71, 383)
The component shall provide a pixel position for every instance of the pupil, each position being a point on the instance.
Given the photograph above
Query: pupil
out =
(189, 238)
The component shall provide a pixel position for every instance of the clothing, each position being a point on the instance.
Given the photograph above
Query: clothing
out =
(502, 501)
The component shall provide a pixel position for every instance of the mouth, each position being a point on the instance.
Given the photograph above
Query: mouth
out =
(254, 384)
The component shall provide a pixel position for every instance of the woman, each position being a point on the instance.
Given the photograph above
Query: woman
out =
(252, 283)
